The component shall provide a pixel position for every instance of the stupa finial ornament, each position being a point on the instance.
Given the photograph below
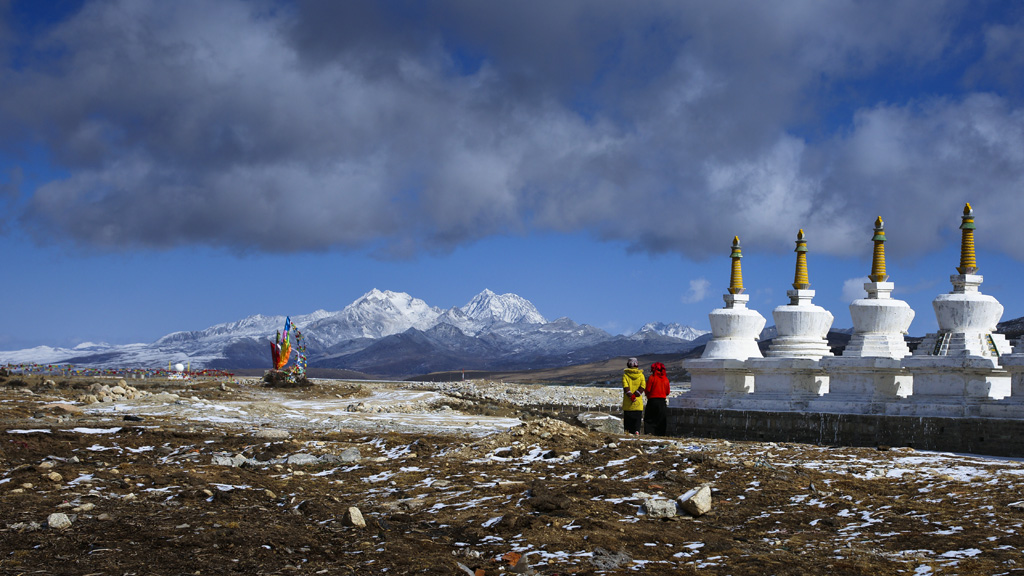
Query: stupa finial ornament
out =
(878, 258)
(736, 278)
(968, 265)
(800, 281)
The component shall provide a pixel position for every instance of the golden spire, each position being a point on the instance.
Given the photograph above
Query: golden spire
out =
(800, 281)
(968, 265)
(878, 259)
(736, 279)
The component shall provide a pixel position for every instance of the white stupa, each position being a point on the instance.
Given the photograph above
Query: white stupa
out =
(790, 376)
(869, 373)
(1013, 405)
(957, 367)
(720, 374)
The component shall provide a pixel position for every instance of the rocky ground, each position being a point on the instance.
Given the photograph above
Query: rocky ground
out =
(225, 477)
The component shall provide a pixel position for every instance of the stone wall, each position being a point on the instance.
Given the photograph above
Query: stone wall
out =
(990, 436)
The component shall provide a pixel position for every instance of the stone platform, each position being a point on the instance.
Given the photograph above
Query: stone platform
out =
(990, 436)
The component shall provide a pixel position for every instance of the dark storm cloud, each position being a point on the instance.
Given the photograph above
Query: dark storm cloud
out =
(410, 126)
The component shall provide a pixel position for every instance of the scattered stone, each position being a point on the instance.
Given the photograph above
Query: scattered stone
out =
(87, 507)
(467, 553)
(232, 461)
(696, 502)
(657, 508)
(54, 477)
(272, 434)
(302, 460)
(58, 521)
(25, 526)
(46, 465)
(600, 422)
(104, 517)
(605, 560)
(350, 455)
(63, 408)
(164, 397)
(353, 517)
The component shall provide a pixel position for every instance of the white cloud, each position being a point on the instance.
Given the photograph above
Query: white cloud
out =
(355, 126)
(698, 290)
(853, 289)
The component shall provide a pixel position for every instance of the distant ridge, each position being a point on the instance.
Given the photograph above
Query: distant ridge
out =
(388, 334)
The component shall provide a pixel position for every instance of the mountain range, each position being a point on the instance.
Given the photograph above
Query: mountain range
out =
(390, 334)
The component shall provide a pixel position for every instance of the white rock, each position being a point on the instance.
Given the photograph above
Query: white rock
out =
(660, 508)
(697, 501)
(350, 455)
(58, 520)
(272, 434)
(232, 461)
(302, 460)
(353, 517)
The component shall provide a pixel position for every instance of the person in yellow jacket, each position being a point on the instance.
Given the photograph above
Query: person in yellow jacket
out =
(633, 386)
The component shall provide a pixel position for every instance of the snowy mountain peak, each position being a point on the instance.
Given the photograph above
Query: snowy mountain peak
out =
(672, 330)
(377, 314)
(509, 308)
(396, 303)
(91, 346)
(493, 330)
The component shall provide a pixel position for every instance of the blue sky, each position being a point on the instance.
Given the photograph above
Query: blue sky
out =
(167, 166)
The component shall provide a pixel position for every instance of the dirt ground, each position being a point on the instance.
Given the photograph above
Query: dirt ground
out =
(154, 495)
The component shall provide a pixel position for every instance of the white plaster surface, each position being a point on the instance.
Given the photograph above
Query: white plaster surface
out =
(957, 380)
(967, 319)
(803, 328)
(1014, 364)
(862, 385)
(714, 383)
(879, 324)
(784, 384)
(734, 330)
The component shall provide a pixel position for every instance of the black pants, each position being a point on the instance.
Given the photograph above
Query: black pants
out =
(631, 420)
(656, 416)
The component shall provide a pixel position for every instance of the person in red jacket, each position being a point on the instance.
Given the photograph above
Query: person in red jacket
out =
(656, 412)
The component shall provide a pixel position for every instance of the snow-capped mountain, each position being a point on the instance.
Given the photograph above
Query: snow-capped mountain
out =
(375, 314)
(387, 333)
(672, 330)
(488, 308)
